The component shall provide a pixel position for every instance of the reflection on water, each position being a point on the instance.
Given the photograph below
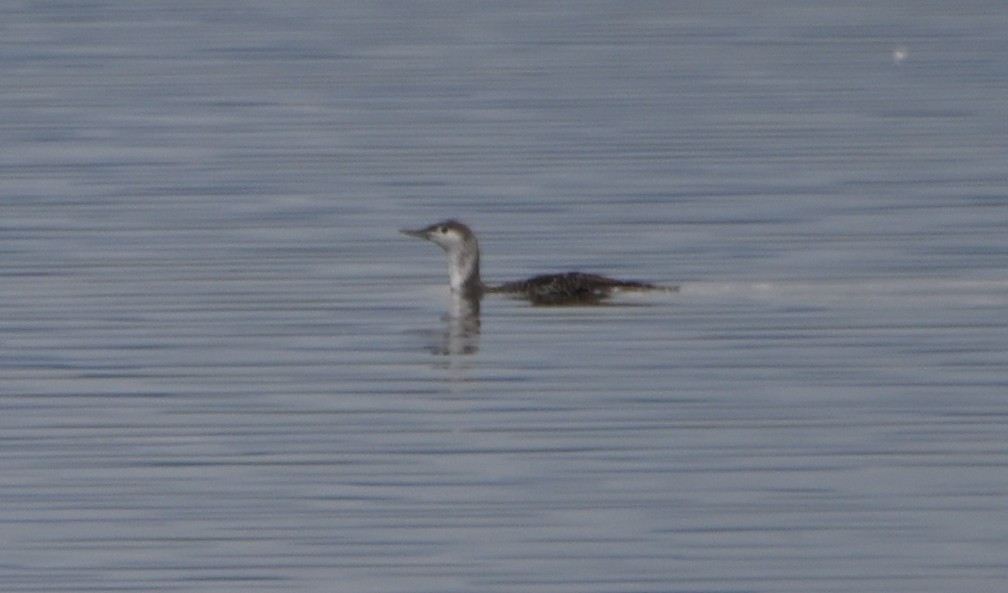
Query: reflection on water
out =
(461, 332)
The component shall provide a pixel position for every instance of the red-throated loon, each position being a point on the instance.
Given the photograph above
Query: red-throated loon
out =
(571, 288)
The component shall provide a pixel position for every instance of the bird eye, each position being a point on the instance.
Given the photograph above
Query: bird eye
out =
(443, 230)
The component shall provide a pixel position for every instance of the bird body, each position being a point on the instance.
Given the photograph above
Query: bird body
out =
(570, 288)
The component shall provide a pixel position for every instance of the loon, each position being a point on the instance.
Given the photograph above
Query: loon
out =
(570, 288)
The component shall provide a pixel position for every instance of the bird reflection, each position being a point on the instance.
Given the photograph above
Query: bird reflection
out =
(461, 331)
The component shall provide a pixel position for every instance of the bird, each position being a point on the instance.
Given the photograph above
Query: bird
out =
(568, 288)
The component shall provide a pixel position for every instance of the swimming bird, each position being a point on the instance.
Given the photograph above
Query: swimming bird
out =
(569, 288)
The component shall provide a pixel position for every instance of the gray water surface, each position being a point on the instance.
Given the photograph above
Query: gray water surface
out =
(222, 368)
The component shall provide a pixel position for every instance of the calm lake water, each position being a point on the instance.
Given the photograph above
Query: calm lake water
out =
(222, 368)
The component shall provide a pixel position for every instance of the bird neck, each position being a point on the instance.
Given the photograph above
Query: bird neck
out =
(463, 271)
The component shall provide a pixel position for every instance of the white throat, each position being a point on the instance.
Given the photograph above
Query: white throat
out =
(462, 264)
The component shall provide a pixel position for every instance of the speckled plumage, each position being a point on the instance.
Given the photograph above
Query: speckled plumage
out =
(568, 288)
